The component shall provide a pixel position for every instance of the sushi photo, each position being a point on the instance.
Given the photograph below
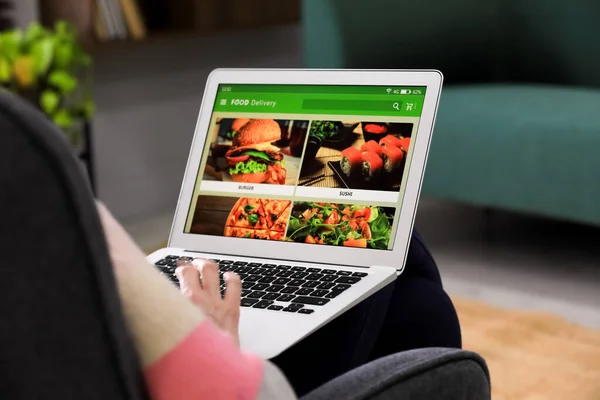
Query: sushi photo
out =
(390, 140)
(392, 158)
(372, 145)
(371, 165)
(351, 161)
(374, 160)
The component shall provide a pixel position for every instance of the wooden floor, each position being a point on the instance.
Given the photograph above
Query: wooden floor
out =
(532, 355)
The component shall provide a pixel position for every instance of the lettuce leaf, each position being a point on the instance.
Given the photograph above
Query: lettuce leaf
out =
(380, 231)
(257, 154)
(247, 167)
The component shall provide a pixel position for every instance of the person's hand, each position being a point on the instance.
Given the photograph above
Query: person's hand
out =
(199, 281)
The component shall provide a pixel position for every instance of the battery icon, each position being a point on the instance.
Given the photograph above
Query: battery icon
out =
(405, 91)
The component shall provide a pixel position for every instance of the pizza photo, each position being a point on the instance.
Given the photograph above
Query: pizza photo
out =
(258, 219)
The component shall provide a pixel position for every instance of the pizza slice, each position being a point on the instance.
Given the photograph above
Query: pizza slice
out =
(236, 212)
(238, 232)
(273, 209)
(248, 213)
(275, 235)
(282, 221)
(262, 234)
(247, 233)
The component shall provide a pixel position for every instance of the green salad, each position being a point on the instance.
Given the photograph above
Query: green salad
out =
(325, 130)
(340, 225)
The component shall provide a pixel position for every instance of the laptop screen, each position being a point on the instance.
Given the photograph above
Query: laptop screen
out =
(311, 164)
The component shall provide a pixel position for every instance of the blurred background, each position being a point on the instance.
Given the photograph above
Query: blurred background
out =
(511, 200)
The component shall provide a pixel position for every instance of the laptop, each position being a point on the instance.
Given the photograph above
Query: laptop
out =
(305, 183)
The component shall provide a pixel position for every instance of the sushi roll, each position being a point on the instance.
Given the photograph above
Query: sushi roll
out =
(351, 160)
(405, 144)
(392, 158)
(372, 145)
(390, 140)
(371, 165)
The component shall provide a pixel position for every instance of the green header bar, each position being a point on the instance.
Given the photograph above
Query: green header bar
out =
(321, 99)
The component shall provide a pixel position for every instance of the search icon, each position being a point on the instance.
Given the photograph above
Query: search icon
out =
(396, 106)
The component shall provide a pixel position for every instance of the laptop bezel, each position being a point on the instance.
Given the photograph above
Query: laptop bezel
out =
(298, 251)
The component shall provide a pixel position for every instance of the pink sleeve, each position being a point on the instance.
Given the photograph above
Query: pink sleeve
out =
(205, 365)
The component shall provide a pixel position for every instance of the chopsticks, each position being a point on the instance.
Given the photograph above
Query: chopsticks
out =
(312, 181)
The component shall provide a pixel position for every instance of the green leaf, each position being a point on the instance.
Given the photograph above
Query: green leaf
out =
(42, 52)
(5, 70)
(89, 108)
(63, 55)
(61, 27)
(253, 219)
(65, 32)
(10, 44)
(64, 81)
(380, 231)
(85, 59)
(49, 101)
(34, 32)
(257, 154)
(63, 118)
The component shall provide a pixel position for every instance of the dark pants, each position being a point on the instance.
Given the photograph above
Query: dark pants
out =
(413, 312)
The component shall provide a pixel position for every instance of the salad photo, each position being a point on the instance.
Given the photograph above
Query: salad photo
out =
(341, 225)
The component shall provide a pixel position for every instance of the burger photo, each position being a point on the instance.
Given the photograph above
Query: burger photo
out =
(253, 158)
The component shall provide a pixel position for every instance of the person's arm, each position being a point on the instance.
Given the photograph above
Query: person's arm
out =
(184, 355)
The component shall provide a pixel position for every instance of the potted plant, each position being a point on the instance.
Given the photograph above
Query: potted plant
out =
(52, 70)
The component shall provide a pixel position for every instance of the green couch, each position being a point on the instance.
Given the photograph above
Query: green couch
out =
(519, 120)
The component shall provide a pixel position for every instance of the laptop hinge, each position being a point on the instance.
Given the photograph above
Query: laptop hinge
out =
(278, 259)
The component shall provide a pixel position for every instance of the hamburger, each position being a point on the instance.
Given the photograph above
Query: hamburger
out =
(236, 126)
(252, 158)
(239, 123)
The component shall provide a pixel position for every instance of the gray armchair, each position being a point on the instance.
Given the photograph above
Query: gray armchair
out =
(62, 334)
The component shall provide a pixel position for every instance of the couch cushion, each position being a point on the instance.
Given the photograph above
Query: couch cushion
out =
(527, 148)
(431, 373)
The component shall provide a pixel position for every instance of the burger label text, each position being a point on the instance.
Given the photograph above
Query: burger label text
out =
(246, 187)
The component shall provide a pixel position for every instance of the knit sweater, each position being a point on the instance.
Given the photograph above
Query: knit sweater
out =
(184, 355)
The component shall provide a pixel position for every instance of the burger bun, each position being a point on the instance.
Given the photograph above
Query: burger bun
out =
(257, 131)
(238, 123)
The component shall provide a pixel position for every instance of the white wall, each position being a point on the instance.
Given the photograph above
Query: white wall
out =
(148, 98)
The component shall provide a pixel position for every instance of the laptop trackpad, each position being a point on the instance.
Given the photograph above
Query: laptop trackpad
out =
(268, 333)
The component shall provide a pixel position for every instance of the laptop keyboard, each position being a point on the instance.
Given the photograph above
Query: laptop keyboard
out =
(276, 287)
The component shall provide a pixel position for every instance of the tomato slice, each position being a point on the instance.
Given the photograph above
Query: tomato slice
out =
(356, 243)
(364, 212)
(235, 160)
(310, 239)
(333, 218)
(365, 230)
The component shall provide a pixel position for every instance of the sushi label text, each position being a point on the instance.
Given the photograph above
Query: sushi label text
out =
(246, 187)
(346, 193)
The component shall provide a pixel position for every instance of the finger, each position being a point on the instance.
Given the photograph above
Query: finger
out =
(209, 271)
(189, 280)
(233, 290)
(182, 263)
